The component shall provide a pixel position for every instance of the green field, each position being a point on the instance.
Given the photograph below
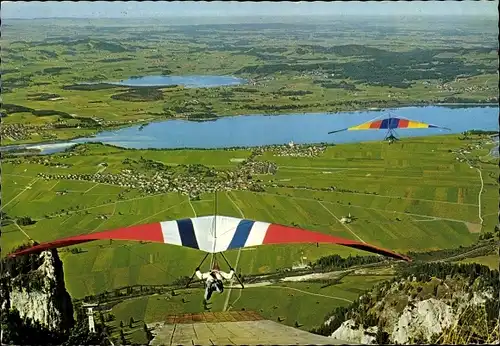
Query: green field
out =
(492, 261)
(418, 212)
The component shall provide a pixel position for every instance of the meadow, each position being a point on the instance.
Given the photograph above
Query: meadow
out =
(397, 201)
(492, 261)
(409, 196)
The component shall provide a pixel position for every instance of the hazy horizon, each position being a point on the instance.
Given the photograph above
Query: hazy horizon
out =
(163, 9)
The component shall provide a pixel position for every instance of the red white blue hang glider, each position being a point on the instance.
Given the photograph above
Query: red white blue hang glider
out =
(212, 234)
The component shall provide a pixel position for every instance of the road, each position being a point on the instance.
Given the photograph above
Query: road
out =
(480, 191)
(22, 230)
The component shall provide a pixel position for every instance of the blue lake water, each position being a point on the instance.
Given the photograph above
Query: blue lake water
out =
(186, 81)
(257, 130)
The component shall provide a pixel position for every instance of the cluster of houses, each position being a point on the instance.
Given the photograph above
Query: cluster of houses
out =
(258, 167)
(472, 88)
(42, 160)
(187, 184)
(293, 150)
(20, 132)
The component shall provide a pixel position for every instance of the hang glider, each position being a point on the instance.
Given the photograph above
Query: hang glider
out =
(212, 234)
(390, 124)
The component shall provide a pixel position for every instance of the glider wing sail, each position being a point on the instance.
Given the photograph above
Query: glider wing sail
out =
(391, 123)
(199, 233)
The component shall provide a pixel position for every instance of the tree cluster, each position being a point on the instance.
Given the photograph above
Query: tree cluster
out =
(383, 68)
(25, 221)
(337, 262)
(140, 95)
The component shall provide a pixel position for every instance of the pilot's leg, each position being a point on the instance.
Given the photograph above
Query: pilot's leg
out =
(208, 292)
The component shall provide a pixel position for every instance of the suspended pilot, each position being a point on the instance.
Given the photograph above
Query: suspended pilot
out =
(214, 280)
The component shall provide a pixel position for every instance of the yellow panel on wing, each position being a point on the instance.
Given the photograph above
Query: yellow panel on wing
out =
(417, 125)
(364, 126)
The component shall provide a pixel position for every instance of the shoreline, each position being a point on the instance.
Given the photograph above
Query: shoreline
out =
(37, 151)
(7, 148)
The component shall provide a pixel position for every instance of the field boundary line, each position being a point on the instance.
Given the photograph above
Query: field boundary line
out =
(105, 220)
(111, 203)
(480, 191)
(340, 169)
(348, 228)
(20, 193)
(57, 182)
(495, 213)
(18, 175)
(310, 293)
(235, 205)
(100, 170)
(479, 195)
(362, 207)
(90, 188)
(386, 196)
(69, 217)
(192, 208)
(22, 230)
(161, 211)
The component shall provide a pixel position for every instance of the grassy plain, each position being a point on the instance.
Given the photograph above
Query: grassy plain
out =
(413, 210)
(492, 261)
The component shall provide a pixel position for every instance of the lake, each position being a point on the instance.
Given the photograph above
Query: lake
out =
(186, 81)
(257, 130)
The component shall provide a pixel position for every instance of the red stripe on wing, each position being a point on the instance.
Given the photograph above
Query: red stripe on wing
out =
(376, 124)
(149, 232)
(279, 234)
(403, 123)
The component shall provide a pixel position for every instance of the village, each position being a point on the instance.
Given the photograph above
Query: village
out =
(291, 150)
(21, 132)
(188, 184)
(191, 180)
(24, 132)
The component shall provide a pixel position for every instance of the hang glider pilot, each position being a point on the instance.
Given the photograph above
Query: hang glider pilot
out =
(214, 280)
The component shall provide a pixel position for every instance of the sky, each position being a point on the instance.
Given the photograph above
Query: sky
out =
(133, 9)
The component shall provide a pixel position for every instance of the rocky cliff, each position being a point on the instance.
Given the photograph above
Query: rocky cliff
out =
(33, 293)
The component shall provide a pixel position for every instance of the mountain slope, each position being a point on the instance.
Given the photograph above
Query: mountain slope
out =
(425, 303)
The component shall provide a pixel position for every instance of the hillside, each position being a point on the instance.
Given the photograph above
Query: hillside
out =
(438, 303)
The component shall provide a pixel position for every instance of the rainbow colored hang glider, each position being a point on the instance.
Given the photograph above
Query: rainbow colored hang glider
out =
(212, 234)
(390, 124)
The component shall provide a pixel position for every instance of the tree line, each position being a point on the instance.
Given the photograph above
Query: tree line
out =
(384, 68)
